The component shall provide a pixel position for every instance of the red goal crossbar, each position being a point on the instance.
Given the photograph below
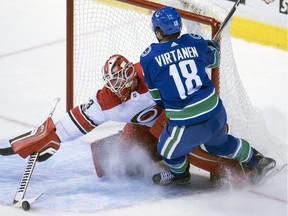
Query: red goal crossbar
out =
(213, 23)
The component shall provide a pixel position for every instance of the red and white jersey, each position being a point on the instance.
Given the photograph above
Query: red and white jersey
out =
(105, 106)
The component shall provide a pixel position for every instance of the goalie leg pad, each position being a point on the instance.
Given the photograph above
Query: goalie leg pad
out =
(139, 134)
(158, 126)
(212, 163)
(219, 167)
(131, 134)
(42, 140)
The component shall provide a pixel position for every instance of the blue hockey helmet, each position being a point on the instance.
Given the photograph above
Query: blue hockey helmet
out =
(167, 19)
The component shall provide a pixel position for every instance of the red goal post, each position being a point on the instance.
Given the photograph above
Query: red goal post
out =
(72, 23)
(97, 29)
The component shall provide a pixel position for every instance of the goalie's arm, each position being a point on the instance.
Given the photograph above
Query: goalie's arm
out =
(76, 123)
(46, 139)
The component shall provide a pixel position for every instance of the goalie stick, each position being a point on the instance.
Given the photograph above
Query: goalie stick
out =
(6, 151)
(226, 20)
(19, 200)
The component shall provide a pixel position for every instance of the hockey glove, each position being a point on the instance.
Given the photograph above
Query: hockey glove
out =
(213, 43)
(42, 140)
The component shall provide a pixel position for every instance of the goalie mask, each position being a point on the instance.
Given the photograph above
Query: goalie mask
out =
(119, 76)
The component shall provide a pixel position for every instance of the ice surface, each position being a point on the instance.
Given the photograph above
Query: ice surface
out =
(32, 75)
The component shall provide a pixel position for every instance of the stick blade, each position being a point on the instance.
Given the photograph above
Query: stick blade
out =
(18, 203)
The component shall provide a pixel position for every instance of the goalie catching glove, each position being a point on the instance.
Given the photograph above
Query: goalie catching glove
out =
(42, 140)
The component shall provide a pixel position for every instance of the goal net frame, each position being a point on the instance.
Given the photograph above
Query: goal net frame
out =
(213, 23)
(244, 120)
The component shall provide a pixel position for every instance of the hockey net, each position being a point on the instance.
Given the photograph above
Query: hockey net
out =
(97, 29)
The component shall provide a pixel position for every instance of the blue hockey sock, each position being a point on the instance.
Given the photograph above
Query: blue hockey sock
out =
(253, 161)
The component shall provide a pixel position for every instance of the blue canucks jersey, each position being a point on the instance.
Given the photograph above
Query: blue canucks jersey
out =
(175, 72)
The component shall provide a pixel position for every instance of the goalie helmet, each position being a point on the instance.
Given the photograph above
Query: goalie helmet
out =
(167, 19)
(119, 76)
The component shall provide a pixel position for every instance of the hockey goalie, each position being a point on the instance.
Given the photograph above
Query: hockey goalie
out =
(124, 98)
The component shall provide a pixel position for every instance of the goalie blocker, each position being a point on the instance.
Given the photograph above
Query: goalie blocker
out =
(42, 140)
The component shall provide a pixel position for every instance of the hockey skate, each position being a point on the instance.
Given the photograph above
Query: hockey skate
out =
(264, 166)
(167, 178)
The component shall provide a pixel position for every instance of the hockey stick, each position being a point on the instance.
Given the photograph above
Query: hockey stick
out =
(6, 151)
(227, 19)
(19, 200)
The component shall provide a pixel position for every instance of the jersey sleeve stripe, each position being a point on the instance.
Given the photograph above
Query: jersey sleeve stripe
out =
(76, 123)
(82, 122)
(155, 94)
(87, 118)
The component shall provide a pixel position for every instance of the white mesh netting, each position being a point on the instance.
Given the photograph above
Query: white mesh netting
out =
(103, 28)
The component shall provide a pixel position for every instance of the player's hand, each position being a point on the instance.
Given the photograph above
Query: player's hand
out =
(214, 44)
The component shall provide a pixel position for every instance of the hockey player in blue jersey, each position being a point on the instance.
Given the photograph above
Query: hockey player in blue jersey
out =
(174, 70)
